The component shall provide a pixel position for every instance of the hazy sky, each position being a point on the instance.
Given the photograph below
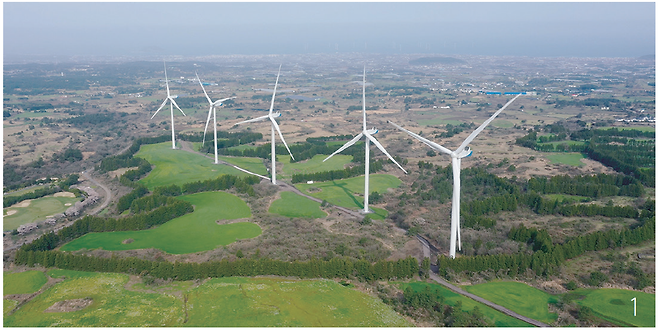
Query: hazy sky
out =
(151, 28)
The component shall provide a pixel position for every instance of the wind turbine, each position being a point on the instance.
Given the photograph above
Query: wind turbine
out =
(211, 110)
(457, 155)
(368, 134)
(171, 104)
(271, 117)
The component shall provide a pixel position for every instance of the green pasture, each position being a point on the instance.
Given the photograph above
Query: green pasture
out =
(451, 298)
(251, 164)
(502, 123)
(242, 147)
(193, 232)
(569, 158)
(25, 282)
(178, 166)
(296, 206)
(518, 297)
(23, 191)
(38, 210)
(570, 143)
(313, 165)
(221, 302)
(273, 302)
(342, 192)
(8, 305)
(112, 305)
(568, 198)
(615, 305)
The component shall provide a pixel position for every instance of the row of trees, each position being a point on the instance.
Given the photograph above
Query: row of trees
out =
(338, 267)
(349, 172)
(8, 201)
(628, 159)
(125, 159)
(547, 258)
(597, 185)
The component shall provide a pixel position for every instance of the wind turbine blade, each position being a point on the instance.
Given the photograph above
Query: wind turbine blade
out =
(274, 93)
(431, 144)
(281, 136)
(160, 108)
(207, 122)
(345, 146)
(179, 109)
(166, 80)
(481, 128)
(253, 120)
(204, 90)
(222, 100)
(379, 145)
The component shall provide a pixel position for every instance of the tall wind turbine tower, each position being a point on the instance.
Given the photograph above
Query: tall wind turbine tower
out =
(271, 117)
(171, 104)
(212, 110)
(368, 134)
(462, 152)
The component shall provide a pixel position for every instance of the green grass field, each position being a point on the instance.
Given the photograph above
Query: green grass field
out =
(272, 302)
(615, 305)
(193, 232)
(639, 128)
(501, 123)
(569, 198)
(569, 158)
(112, 304)
(313, 165)
(571, 143)
(8, 305)
(518, 297)
(38, 210)
(223, 302)
(251, 164)
(295, 206)
(342, 192)
(24, 191)
(451, 298)
(178, 166)
(25, 282)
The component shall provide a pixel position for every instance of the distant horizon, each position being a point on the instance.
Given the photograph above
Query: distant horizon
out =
(51, 29)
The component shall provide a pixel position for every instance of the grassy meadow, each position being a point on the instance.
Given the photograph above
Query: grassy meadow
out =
(221, 302)
(615, 305)
(518, 297)
(178, 166)
(349, 192)
(569, 158)
(193, 232)
(295, 206)
(25, 282)
(38, 210)
(313, 165)
(251, 164)
(451, 298)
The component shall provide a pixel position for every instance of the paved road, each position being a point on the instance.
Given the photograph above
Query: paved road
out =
(108, 193)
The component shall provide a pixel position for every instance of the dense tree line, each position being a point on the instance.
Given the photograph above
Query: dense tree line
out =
(8, 201)
(90, 119)
(337, 267)
(68, 155)
(549, 257)
(349, 172)
(223, 182)
(126, 200)
(597, 185)
(125, 159)
(322, 139)
(129, 178)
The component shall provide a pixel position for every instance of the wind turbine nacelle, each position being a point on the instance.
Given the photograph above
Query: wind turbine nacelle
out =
(372, 131)
(466, 153)
(276, 114)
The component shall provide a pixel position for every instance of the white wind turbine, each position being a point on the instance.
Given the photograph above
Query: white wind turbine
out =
(457, 155)
(271, 117)
(212, 110)
(171, 104)
(368, 134)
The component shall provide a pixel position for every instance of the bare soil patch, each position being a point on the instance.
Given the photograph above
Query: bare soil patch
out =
(128, 241)
(120, 172)
(226, 222)
(69, 305)
(64, 194)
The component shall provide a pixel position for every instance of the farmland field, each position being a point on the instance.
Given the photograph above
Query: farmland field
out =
(258, 302)
(25, 282)
(193, 232)
(342, 192)
(570, 158)
(38, 210)
(616, 306)
(518, 297)
(178, 166)
(296, 206)
(451, 298)
(251, 164)
(223, 302)
(314, 164)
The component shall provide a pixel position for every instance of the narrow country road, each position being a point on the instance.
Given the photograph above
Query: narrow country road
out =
(108, 193)
(453, 288)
